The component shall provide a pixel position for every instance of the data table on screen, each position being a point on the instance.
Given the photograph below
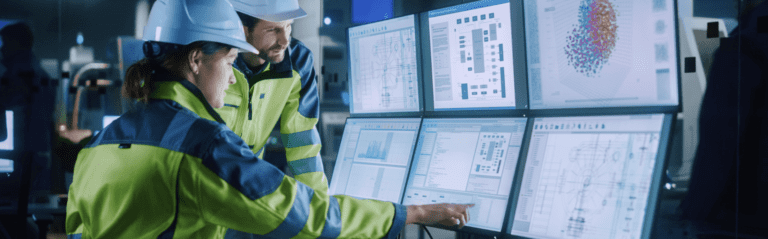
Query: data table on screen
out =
(471, 56)
(384, 74)
(467, 161)
(600, 53)
(374, 158)
(588, 177)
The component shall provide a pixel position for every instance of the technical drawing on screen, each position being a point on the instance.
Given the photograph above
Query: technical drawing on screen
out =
(374, 158)
(384, 67)
(471, 56)
(588, 177)
(601, 53)
(467, 161)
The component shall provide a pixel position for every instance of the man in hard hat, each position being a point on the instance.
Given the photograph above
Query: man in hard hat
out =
(276, 85)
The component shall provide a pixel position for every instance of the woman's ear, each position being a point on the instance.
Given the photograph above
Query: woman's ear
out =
(195, 58)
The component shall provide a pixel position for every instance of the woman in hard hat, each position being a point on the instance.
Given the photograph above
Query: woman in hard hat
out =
(171, 168)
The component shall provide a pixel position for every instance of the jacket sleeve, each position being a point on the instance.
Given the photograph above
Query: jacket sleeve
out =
(239, 191)
(299, 119)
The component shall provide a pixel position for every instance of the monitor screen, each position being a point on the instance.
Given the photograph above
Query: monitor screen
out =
(590, 177)
(7, 144)
(374, 158)
(108, 120)
(467, 161)
(384, 75)
(6, 166)
(471, 56)
(600, 53)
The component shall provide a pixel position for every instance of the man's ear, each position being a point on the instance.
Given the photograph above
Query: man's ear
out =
(195, 58)
(247, 31)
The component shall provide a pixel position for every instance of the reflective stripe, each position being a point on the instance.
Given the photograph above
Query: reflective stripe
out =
(75, 236)
(297, 217)
(307, 165)
(176, 133)
(299, 139)
(332, 227)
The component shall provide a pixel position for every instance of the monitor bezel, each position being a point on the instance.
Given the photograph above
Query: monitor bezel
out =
(470, 229)
(419, 70)
(665, 142)
(617, 109)
(407, 167)
(518, 64)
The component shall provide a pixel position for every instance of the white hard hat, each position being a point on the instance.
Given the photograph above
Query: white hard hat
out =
(186, 21)
(270, 10)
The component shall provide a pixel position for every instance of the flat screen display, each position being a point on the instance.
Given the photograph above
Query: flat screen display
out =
(471, 56)
(590, 177)
(384, 75)
(467, 161)
(601, 53)
(374, 158)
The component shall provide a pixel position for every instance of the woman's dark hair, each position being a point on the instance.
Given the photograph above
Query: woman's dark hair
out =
(172, 57)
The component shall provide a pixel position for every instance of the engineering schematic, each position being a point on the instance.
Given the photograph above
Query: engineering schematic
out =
(472, 58)
(386, 73)
(590, 186)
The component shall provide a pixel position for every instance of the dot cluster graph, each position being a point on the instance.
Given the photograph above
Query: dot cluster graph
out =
(593, 40)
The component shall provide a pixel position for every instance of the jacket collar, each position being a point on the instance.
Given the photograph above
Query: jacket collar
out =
(284, 67)
(170, 87)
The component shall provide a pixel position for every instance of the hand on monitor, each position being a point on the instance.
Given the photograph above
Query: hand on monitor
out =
(445, 214)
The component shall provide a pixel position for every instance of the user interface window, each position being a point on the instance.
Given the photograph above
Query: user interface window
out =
(588, 177)
(471, 56)
(384, 73)
(467, 161)
(374, 158)
(600, 53)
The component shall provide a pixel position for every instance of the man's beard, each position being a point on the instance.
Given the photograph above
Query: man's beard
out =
(273, 59)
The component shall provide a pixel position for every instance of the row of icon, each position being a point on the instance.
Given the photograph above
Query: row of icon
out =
(388, 126)
(368, 31)
(474, 18)
(575, 126)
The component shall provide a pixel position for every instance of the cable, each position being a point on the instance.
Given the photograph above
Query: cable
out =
(427, 230)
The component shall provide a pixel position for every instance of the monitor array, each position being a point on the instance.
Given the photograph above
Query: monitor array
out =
(519, 57)
(552, 117)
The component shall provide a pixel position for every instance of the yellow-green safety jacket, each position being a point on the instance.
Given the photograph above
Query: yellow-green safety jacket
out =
(173, 169)
(284, 92)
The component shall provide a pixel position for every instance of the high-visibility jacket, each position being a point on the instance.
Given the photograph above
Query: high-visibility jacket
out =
(173, 169)
(284, 92)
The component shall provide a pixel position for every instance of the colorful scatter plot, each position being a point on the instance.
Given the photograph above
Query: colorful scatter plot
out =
(590, 44)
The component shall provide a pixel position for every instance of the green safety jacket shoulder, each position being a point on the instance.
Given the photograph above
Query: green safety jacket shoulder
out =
(284, 92)
(173, 169)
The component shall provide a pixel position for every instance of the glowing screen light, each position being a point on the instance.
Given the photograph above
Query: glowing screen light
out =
(8, 143)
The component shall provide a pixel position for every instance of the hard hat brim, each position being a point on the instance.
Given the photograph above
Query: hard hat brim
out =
(283, 16)
(186, 36)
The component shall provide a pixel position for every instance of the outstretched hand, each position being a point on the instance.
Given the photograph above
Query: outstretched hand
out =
(444, 213)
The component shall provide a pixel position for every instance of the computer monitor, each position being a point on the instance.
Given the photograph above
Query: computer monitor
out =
(591, 177)
(467, 160)
(384, 72)
(374, 158)
(107, 119)
(7, 144)
(471, 60)
(600, 53)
